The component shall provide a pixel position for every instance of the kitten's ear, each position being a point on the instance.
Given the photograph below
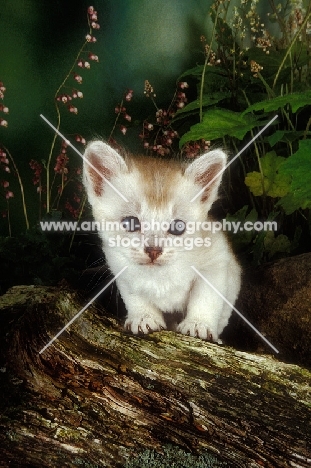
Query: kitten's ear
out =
(100, 162)
(207, 172)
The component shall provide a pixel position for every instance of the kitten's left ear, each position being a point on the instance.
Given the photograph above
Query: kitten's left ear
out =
(206, 171)
(100, 164)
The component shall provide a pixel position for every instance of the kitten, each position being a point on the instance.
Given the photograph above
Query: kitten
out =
(157, 236)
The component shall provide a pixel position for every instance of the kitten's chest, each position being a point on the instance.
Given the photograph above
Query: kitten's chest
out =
(168, 292)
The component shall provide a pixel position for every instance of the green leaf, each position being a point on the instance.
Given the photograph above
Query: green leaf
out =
(298, 168)
(295, 100)
(218, 123)
(244, 237)
(271, 182)
(206, 101)
(195, 71)
(285, 136)
(278, 244)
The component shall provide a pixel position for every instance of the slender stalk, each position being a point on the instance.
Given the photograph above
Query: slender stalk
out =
(305, 21)
(20, 185)
(48, 164)
(79, 218)
(257, 152)
(271, 93)
(279, 19)
(116, 120)
(205, 65)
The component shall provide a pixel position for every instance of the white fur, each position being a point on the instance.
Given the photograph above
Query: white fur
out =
(169, 284)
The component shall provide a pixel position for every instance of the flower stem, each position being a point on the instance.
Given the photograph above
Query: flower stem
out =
(116, 120)
(79, 217)
(20, 185)
(48, 164)
(290, 48)
(205, 65)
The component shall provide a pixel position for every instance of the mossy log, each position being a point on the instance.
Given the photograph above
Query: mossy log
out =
(98, 396)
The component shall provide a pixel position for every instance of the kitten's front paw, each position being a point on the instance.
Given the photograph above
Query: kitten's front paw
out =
(197, 329)
(144, 324)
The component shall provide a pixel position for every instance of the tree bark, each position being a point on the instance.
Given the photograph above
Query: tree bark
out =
(97, 396)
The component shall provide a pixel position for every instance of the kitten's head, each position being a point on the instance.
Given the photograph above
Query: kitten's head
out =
(149, 197)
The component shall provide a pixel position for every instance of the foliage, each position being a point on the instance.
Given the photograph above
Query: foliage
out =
(248, 76)
(218, 123)
(269, 181)
(297, 168)
(173, 457)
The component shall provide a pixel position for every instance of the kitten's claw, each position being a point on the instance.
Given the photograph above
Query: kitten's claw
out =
(196, 329)
(144, 324)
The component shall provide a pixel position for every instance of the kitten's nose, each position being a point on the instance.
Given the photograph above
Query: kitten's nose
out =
(153, 252)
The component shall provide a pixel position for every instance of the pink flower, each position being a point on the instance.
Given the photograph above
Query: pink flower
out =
(183, 85)
(78, 78)
(72, 109)
(93, 57)
(80, 139)
(90, 38)
(9, 194)
(65, 98)
(61, 162)
(83, 64)
(123, 129)
(37, 168)
(129, 95)
(77, 94)
(3, 123)
(4, 109)
(128, 117)
(90, 10)
(5, 183)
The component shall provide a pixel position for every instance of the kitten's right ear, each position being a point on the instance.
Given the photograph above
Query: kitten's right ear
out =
(100, 162)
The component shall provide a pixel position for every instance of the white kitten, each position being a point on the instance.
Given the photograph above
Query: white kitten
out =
(159, 211)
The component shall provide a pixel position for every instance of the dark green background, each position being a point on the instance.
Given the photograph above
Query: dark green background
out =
(139, 39)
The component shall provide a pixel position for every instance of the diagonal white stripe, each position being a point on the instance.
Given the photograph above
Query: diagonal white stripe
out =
(235, 310)
(235, 157)
(81, 311)
(86, 160)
